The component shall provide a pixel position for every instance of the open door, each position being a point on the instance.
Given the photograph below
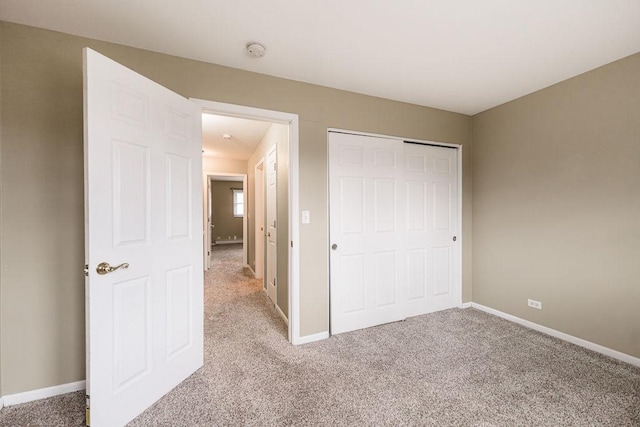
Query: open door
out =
(272, 230)
(209, 239)
(259, 219)
(143, 231)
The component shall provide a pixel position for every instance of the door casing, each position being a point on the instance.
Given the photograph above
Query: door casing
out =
(292, 121)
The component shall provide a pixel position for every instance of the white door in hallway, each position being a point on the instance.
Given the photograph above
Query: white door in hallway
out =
(143, 230)
(272, 223)
(366, 232)
(259, 220)
(431, 236)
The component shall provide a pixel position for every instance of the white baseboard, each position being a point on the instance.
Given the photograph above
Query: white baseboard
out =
(43, 393)
(1, 403)
(465, 305)
(251, 269)
(229, 242)
(282, 315)
(311, 338)
(561, 335)
(277, 308)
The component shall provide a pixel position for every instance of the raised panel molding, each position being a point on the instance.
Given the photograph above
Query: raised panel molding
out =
(131, 214)
(131, 331)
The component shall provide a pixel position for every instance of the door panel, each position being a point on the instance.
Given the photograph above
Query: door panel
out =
(131, 193)
(416, 273)
(352, 205)
(385, 278)
(131, 331)
(178, 194)
(179, 308)
(352, 278)
(143, 180)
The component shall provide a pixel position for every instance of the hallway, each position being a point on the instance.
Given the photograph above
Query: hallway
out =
(235, 303)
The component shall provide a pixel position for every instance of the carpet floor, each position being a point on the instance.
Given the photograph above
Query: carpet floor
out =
(451, 368)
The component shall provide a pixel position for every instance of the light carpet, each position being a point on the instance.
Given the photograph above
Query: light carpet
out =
(455, 367)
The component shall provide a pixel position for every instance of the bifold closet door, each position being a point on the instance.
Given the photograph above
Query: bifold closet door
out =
(366, 223)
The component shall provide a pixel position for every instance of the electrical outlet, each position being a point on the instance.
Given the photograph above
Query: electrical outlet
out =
(534, 304)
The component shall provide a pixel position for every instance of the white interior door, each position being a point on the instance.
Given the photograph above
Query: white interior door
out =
(366, 229)
(272, 235)
(259, 220)
(432, 254)
(208, 228)
(143, 207)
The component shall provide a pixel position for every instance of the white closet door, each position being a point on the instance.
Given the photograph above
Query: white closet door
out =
(432, 254)
(366, 224)
(394, 228)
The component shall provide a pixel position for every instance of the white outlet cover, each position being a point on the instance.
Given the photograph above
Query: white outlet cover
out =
(534, 304)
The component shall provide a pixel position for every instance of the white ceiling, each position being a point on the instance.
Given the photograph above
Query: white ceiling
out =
(458, 55)
(245, 136)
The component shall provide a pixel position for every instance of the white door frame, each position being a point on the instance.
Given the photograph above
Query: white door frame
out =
(211, 176)
(259, 219)
(458, 258)
(232, 110)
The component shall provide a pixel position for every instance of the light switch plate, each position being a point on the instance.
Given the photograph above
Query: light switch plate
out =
(306, 218)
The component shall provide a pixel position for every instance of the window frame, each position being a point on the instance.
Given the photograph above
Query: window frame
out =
(235, 203)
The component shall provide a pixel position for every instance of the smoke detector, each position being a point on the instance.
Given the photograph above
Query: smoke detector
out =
(256, 50)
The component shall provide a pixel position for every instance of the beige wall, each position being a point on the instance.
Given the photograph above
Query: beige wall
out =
(226, 225)
(42, 288)
(556, 188)
(213, 166)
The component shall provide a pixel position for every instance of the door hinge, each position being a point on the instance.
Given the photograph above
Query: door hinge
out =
(275, 166)
(292, 243)
(86, 270)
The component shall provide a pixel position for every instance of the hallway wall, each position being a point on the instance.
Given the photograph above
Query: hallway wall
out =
(227, 227)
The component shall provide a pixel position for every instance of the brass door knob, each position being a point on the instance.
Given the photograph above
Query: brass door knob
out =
(104, 268)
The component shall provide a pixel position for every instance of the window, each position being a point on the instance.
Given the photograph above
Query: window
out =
(238, 203)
